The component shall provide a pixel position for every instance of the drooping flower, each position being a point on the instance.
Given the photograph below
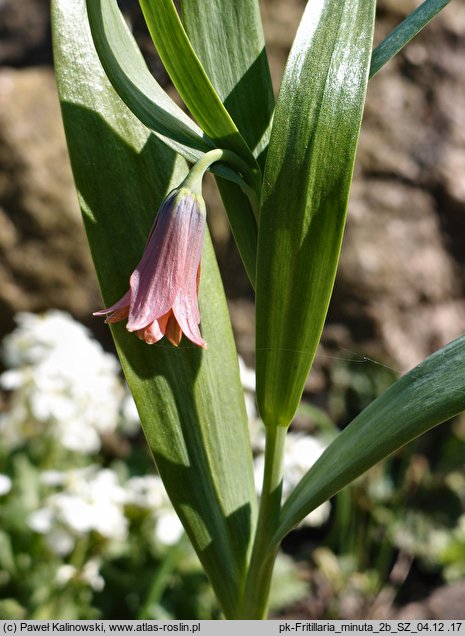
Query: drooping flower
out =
(163, 289)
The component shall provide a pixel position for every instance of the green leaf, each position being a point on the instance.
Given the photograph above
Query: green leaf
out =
(429, 394)
(189, 77)
(402, 34)
(190, 402)
(126, 69)
(130, 77)
(238, 68)
(306, 186)
(237, 65)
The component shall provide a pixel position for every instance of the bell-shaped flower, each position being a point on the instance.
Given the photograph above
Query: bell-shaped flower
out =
(163, 289)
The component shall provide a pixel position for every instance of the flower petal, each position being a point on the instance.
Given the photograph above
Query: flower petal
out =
(118, 311)
(159, 275)
(152, 333)
(173, 330)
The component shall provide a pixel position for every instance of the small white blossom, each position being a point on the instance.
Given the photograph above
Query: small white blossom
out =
(5, 485)
(41, 520)
(146, 492)
(149, 493)
(60, 541)
(90, 574)
(64, 574)
(130, 424)
(65, 385)
(168, 529)
(91, 500)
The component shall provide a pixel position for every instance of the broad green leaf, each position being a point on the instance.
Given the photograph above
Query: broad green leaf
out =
(228, 39)
(243, 225)
(126, 69)
(429, 394)
(189, 77)
(402, 34)
(130, 77)
(190, 402)
(306, 186)
(238, 68)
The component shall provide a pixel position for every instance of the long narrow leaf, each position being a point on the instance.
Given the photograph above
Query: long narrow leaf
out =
(306, 186)
(228, 39)
(126, 69)
(129, 75)
(190, 402)
(189, 77)
(402, 34)
(431, 393)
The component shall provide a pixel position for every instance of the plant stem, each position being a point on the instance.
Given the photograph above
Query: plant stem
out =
(256, 592)
(245, 179)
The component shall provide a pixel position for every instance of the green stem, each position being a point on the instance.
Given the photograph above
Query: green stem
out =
(246, 179)
(257, 585)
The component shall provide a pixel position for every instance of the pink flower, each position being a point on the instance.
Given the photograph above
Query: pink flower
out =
(163, 289)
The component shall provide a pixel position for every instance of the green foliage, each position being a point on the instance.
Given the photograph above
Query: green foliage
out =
(197, 431)
(86, 529)
(236, 65)
(306, 186)
(426, 396)
(406, 30)
(288, 222)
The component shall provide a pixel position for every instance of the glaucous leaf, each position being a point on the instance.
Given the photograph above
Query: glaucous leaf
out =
(228, 39)
(190, 401)
(402, 34)
(306, 185)
(189, 77)
(432, 392)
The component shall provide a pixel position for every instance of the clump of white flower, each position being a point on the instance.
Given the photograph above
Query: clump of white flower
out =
(64, 384)
(93, 500)
(88, 500)
(300, 453)
(149, 493)
(5, 485)
(89, 575)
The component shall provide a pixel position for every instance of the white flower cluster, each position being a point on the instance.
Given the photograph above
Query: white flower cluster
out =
(92, 499)
(64, 384)
(301, 451)
(89, 575)
(5, 484)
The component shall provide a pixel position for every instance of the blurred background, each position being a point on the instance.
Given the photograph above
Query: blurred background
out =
(393, 544)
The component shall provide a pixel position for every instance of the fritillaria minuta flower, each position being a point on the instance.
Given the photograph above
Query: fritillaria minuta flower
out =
(163, 289)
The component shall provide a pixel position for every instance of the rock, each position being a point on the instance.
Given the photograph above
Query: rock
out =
(401, 279)
(44, 258)
(25, 38)
(396, 269)
(447, 602)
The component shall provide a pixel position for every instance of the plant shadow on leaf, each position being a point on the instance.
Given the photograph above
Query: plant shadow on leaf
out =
(252, 123)
(174, 389)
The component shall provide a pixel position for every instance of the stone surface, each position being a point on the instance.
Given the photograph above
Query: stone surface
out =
(44, 258)
(25, 38)
(401, 282)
